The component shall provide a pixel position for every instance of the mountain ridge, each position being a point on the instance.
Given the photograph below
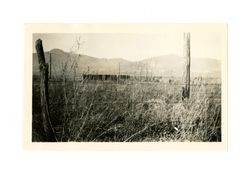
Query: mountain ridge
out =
(163, 65)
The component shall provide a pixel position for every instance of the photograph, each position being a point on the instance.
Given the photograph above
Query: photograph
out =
(125, 86)
(128, 83)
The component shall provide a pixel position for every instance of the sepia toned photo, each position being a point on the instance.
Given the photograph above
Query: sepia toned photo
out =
(142, 84)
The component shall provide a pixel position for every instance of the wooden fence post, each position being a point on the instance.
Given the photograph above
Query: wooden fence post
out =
(119, 73)
(47, 126)
(50, 66)
(186, 89)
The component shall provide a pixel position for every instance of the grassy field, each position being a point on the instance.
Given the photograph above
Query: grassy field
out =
(129, 111)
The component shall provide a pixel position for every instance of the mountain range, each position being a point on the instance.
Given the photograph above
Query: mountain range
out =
(164, 65)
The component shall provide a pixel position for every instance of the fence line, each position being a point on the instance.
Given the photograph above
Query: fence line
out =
(132, 83)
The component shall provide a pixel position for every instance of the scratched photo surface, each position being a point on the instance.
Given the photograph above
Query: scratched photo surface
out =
(127, 87)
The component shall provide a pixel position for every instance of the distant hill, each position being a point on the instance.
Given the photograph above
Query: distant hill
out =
(167, 65)
(174, 65)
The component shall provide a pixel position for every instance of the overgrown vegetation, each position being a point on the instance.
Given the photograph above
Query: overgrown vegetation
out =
(131, 111)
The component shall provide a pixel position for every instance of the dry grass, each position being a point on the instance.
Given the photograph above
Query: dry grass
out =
(131, 111)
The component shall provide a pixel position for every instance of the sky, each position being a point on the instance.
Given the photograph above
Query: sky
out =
(134, 47)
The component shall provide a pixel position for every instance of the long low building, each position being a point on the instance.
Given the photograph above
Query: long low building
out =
(120, 77)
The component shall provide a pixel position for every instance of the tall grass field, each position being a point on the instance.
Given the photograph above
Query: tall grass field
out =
(86, 110)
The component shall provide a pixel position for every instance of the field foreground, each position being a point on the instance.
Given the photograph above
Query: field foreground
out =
(129, 111)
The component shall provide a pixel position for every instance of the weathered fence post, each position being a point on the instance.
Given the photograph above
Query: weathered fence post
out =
(50, 65)
(47, 126)
(186, 89)
(119, 73)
